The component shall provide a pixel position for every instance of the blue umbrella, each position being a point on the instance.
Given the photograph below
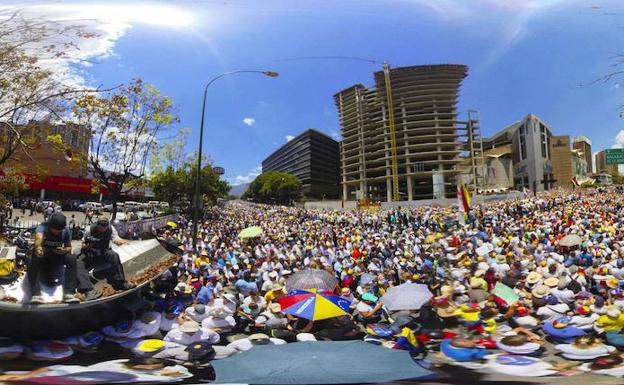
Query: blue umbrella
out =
(319, 362)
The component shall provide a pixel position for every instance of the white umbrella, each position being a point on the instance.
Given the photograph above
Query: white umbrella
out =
(570, 240)
(408, 296)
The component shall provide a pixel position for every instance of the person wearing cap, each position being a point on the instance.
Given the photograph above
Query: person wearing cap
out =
(277, 292)
(244, 344)
(52, 253)
(612, 321)
(553, 309)
(369, 309)
(98, 255)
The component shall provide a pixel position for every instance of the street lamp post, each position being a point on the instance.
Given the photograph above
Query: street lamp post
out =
(198, 199)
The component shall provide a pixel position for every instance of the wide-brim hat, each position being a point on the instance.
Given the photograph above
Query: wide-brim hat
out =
(189, 327)
(533, 277)
(612, 282)
(540, 291)
(150, 346)
(551, 281)
(259, 339)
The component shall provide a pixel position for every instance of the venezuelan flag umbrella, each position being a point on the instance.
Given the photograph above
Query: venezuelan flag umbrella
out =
(313, 305)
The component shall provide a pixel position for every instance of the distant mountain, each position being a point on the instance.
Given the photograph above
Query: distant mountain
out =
(239, 190)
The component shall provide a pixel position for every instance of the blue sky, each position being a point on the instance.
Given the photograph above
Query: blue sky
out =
(523, 56)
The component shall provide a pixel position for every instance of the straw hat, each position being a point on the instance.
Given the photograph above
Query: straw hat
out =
(533, 277)
(259, 339)
(540, 291)
(551, 282)
(189, 327)
(479, 273)
(447, 290)
(613, 282)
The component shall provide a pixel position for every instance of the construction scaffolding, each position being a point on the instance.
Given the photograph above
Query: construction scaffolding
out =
(400, 137)
(473, 162)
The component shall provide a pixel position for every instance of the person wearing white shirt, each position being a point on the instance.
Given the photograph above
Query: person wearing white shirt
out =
(563, 294)
(245, 344)
(196, 313)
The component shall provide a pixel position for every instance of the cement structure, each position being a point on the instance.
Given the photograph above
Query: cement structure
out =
(425, 135)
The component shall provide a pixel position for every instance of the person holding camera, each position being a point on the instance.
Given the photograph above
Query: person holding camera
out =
(98, 255)
(52, 251)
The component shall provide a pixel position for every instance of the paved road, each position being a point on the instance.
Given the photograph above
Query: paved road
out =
(26, 220)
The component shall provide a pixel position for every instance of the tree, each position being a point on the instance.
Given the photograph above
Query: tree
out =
(274, 187)
(28, 91)
(125, 124)
(178, 185)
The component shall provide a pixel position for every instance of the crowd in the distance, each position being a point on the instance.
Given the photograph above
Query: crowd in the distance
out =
(562, 294)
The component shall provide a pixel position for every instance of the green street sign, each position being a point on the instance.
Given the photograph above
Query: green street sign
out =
(614, 156)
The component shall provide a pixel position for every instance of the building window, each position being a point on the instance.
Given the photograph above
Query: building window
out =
(523, 151)
(544, 141)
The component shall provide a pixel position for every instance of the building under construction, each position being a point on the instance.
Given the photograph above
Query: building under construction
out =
(401, 139)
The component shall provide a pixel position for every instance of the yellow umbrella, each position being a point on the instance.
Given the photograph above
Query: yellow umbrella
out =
(173, 225)
(250, 232)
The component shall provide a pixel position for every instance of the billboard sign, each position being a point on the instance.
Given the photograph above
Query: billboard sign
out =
(614, 156)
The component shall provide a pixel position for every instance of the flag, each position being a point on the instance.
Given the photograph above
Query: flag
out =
(575, 182)
(463, 196)
(407, 341)
(505, 293)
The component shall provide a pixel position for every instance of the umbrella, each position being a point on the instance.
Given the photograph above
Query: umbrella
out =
(408, 296)
(570, 240)
(312, 279)
(313, 305)
(366, 278)
(318, 362)
(250, 232)
(172, 224)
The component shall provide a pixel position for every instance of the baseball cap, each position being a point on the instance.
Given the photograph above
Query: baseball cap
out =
(57, 221)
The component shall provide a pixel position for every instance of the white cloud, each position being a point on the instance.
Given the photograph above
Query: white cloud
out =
(619, 140)
(249, 121)
(109, 22)
(247, 178)
(289, 138)
(510, 19)
(619, 143)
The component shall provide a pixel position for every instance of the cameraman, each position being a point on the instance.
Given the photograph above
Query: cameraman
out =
(52, 250)
(97, 250)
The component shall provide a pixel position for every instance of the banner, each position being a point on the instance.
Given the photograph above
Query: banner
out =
(144, 226)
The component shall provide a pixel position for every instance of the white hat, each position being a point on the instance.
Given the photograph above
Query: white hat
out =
(302, 337)
(230, 297)
(189, 327)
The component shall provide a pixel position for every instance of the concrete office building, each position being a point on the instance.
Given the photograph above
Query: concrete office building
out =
(526, 144)
(603, 167)
(426, 161)
(567, 162)
(313, 157)
(583, 145)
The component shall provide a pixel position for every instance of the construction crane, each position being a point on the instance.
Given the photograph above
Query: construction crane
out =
(393, 144)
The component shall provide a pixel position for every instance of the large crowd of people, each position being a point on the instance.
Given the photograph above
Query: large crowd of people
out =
(527, 277)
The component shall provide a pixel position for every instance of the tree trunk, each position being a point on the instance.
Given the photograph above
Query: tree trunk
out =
(114, 199)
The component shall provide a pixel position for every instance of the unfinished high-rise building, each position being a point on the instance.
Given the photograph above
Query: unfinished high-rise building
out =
(413, 153)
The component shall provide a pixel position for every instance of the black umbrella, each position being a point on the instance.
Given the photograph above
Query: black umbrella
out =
(312, 279)
(319, 362)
